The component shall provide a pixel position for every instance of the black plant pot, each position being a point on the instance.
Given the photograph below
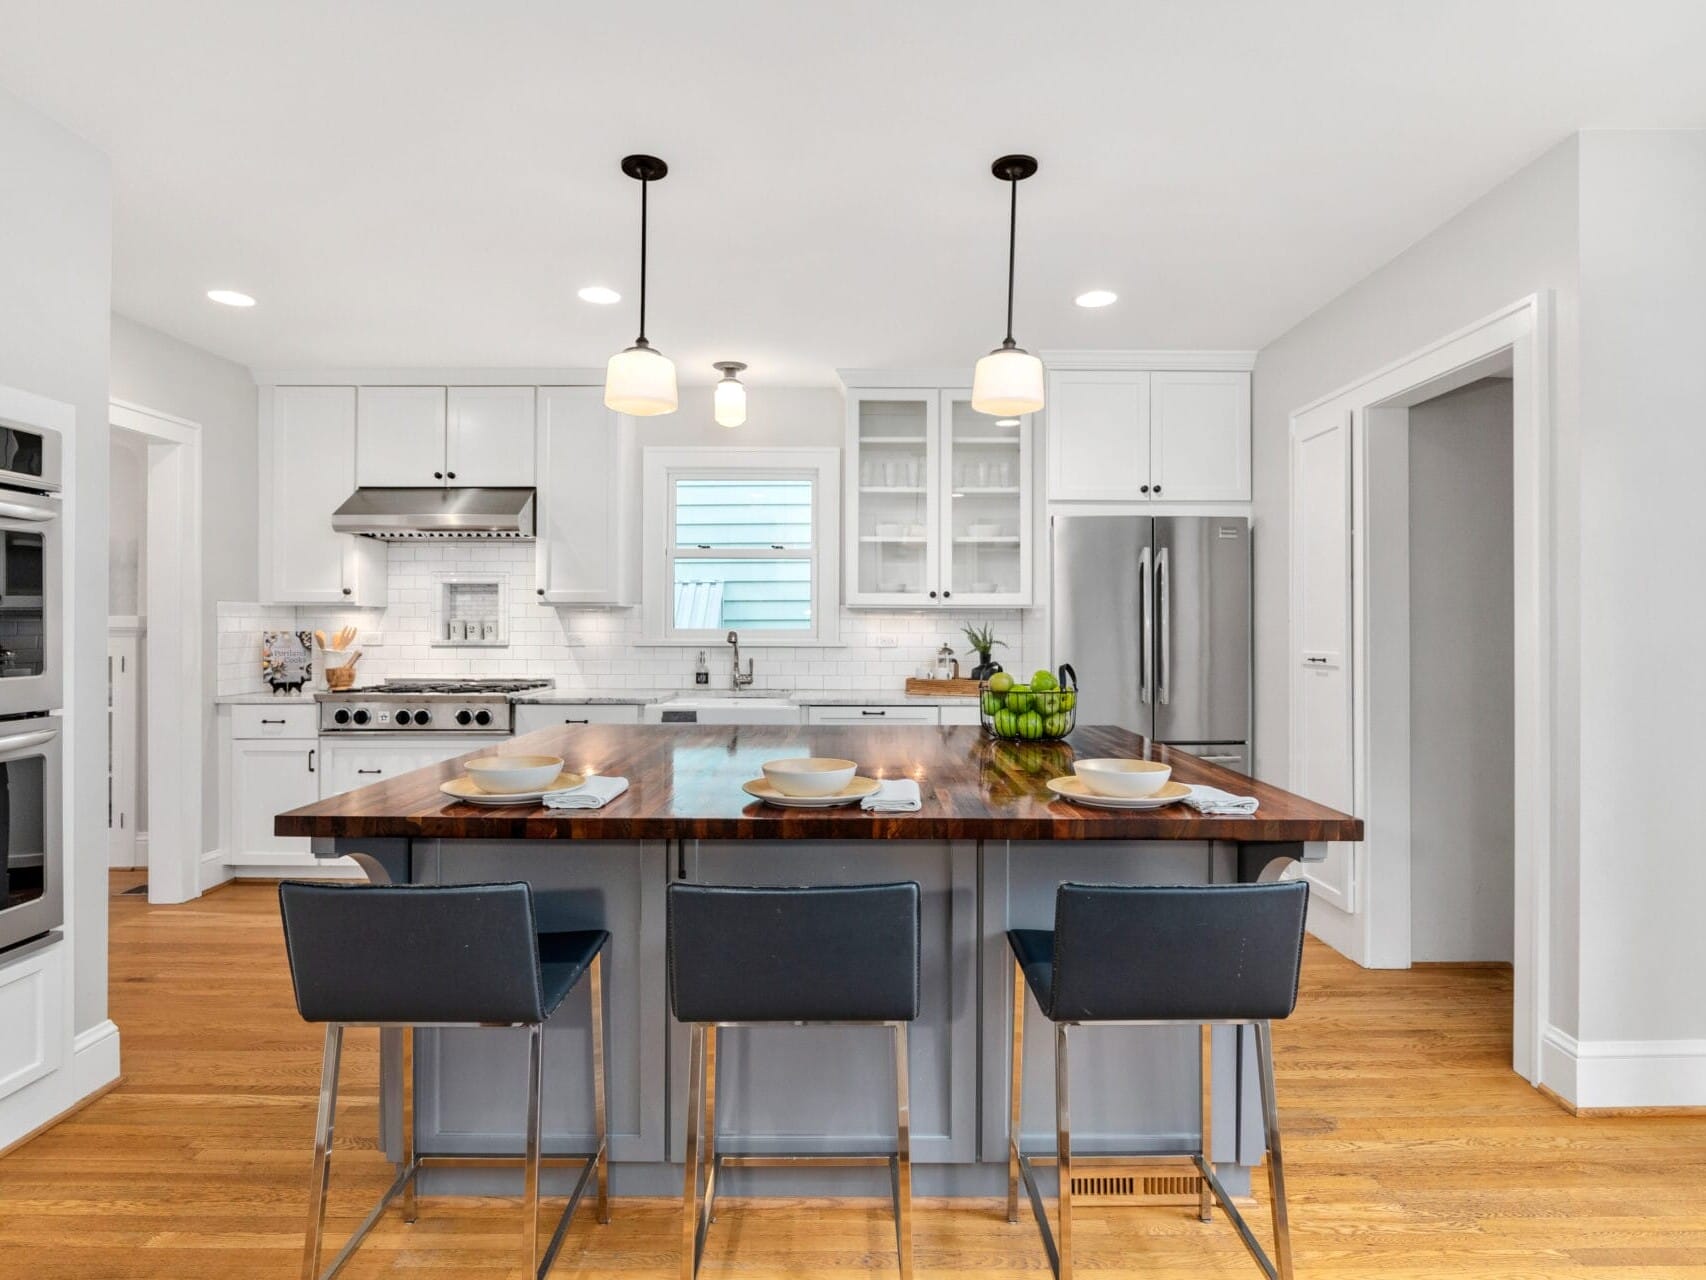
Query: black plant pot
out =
(985, 668)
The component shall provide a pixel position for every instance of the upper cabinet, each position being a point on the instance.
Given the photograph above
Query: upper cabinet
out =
(938, 501)
(1148, 435)
(308, 469)
(588, 477)
(464, 437)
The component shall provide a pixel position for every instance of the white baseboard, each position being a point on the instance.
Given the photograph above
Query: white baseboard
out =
(338, 869)
(213, 870)
(1594, 1074)
(94, 1059)
(1338, 929)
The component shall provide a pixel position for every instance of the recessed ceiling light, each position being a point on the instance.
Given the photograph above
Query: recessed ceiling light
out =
(1097, 298)
(1006, 422)
(231, 298)
(599, 294)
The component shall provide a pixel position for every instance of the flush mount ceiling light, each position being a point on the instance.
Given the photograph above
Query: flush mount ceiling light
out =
(729, 399)
(1097, 298)
(640, 381)
(599, 294)
(1009, 379)
(231, 298)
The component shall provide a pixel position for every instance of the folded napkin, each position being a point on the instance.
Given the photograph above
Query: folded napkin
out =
(894, 795)
(1212, 800)
(594, 793)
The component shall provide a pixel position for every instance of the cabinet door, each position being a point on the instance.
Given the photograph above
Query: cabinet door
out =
(1199, 437)
(489, 442)
(985, 481)
(892, 523)
(1321, 744)
(531, 716)
(311, 471)
(349, 765)
(587, 472)
(268, 777)
(872, 715)
(399, 439)
(1098, 435)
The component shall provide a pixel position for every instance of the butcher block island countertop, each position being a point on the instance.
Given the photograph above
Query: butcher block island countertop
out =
(685, 780)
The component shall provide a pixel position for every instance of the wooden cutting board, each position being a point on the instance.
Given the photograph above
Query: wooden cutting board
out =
(939, 688)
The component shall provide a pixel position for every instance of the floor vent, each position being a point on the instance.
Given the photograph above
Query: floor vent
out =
(1119, 1187)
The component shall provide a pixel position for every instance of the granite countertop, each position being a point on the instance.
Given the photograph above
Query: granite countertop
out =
(646, 697)
(265, 698)
(593, 697)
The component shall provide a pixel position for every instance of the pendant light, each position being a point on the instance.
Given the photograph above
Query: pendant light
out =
(1009, 380)
(729, 400)
(640, 381)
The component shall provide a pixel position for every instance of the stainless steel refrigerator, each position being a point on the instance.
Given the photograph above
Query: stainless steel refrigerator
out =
(1153, 613)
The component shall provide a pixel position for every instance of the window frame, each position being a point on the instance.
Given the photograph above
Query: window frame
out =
(662, 467)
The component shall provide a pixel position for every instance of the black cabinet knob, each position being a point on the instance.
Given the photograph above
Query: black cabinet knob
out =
(1157, 488)
(438, 475)
(541, 590)
(932, 595)
(348, 591)
(451, 474)
(1143, 488)
(946, 594)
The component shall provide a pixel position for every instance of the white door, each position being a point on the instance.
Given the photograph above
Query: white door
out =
(399, 439)
(312, 472)
(984, 489)
(489, 441)
(1199, 437)
(1321, 759)
(268, 777)
(587, 475)
(1098, 435)
(891, 524)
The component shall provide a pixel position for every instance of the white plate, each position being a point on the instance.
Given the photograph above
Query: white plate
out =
(854, 792)
(465, 790)
(1073, 789)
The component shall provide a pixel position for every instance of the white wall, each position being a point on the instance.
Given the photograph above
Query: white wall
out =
(158, 372)
(1462, 682)
(1518, 239)
(55, 262)
(1643, 329)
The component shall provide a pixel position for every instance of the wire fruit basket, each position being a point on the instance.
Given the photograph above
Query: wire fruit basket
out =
(1017, 712)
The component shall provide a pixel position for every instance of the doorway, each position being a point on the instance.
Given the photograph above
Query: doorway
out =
(127, 620)
(172, 693)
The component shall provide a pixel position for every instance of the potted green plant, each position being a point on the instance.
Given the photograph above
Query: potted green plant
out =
(983, 643)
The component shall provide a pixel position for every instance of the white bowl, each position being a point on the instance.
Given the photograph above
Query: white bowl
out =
(810, 775)
(514, 775)
(1128, 778)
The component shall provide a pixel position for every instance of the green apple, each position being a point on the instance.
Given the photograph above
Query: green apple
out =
(1068, 699)
(1019, 700)
(991, 702)
(1000, 682)
(1055, 726)
(1006, 723)
(1030, 726)
(1043, 682)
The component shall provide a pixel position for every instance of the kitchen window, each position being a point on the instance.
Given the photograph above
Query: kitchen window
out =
(742, 540)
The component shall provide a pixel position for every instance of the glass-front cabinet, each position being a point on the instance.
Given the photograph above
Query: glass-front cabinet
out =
(938, 501)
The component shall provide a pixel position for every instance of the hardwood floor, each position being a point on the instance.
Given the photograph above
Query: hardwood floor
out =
(1412, 1151)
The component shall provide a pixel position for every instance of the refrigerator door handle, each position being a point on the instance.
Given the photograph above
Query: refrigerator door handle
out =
(1146, 635)
(1164, 650)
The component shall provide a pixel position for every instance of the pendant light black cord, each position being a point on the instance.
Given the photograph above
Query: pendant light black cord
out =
(1012, 241)
(642, 339)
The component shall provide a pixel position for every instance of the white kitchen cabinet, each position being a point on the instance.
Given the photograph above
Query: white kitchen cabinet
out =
(308, 469)
(938, 502)
(399, 437)
(873, 714)
(1137, 435)
(268, 777)
(349, 763)
(588, 474)
(530, 716)
(960, 713)
(488, 440)
(1199, 437)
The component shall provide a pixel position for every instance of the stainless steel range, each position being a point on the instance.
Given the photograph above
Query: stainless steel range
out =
(424, 706)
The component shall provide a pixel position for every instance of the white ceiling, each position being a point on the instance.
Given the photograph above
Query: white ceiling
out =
(427, 182)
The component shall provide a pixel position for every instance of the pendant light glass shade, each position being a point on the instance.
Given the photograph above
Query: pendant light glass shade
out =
(729, 399)
(1007, 381)
(640, 382)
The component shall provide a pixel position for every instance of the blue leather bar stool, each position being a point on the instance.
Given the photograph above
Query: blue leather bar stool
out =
(1204, 956)
(758, 957)
(410, 956)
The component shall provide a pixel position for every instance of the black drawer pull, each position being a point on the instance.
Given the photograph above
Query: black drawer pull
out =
(310, 759)
(572, 720)
(873, 713)
(370, 771)
(264, 720)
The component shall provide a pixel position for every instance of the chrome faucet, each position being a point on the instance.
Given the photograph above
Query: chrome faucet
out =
(737, 681)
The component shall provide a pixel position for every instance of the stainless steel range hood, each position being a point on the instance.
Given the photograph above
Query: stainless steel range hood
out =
(403, 515)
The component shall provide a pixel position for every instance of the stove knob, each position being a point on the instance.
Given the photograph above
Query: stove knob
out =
(402, 718)
(464, 716)
(360, 717)
(341, 715)
(423, 716)
(482, 717)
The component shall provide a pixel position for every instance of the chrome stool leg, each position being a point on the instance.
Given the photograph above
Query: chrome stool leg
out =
(1205, 1197)
(407, 1124)
(1276, 1163)
(902, 1166)
(595, 995)
(322, 1174)
(1016, 1104)
(1063, 1164)
(530, 1174)
(710, 1137)
(690, 1233)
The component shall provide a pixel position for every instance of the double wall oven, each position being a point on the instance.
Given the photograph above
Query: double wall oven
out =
(32, 667)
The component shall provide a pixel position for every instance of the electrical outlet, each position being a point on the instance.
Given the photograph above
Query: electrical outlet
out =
(372, 639)
(887, 642)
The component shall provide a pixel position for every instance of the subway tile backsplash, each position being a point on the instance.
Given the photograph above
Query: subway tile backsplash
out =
(598, 648)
